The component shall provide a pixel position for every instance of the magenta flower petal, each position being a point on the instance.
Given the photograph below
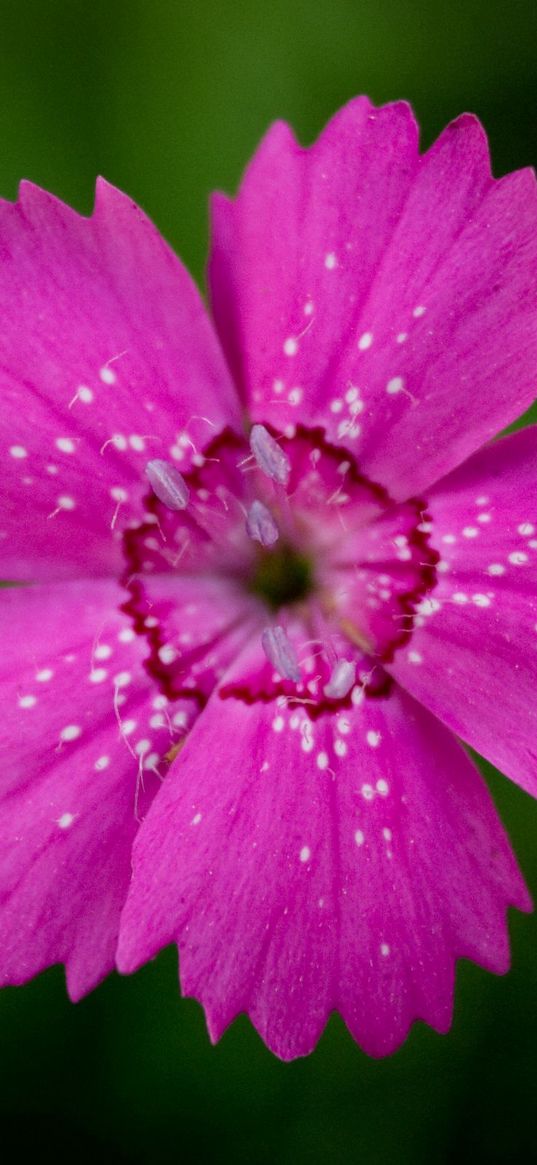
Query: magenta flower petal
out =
(84, 743)
(108, 360)
(348, 874)
(240, 563)
(479, 626)
(409, 279)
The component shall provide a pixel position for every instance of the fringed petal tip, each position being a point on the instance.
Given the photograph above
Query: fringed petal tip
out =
(407, 275)
(269, 922)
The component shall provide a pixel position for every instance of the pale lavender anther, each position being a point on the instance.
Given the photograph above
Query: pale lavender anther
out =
(168, 484)
(269, 456)
(260, 524)
(280, 653)
(341, 680)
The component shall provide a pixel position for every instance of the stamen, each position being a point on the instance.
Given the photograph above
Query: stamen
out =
(260, 524)
(270, 458)
(341, 680)
(168, 484)
(281, 653)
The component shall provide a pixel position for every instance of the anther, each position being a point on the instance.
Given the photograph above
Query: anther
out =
(281, 653)
(168, 484)
(269, 456)
(260, 524)
(341, 680)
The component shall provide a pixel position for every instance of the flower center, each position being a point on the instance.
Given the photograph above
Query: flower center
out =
(281, 577)
(278, 551)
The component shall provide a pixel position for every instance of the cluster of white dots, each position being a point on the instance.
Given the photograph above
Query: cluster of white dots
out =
(294, 396)
(348, 427)
(519, 556)
(162, 717)
(298, 721)
(84, 394)
(352, 405)
(68, 446)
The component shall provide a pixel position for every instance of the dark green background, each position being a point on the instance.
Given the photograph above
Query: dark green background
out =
(168, 101)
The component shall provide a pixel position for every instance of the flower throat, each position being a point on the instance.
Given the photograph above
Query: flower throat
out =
(281, 577)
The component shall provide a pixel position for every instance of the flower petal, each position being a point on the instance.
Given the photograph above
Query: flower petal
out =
(306, 866)
(195, 626)
(473, 660)
(356, 265)
(107, 358)
(83, 748)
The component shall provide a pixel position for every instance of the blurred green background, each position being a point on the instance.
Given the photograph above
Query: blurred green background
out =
(168, 100)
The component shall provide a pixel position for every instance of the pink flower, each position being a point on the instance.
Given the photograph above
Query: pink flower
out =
(273, 568)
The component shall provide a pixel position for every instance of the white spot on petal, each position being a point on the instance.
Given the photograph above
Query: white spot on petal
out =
(70, 732)
(66, 820)
(102, 651)
(167, 653)
(126, 635)
(373, 738)
(107, 375)
(65, 445)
